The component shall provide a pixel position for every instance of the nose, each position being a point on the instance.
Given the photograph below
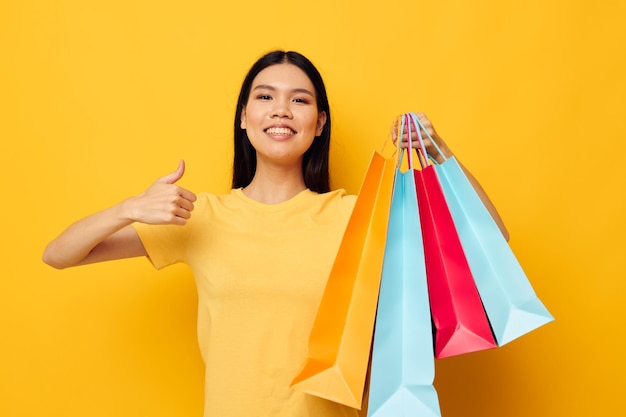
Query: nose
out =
(281, 109)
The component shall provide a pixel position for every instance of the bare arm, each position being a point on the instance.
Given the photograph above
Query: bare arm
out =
(108, 234)
(448, 154)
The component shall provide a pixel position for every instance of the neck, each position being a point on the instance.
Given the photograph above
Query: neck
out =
(275, 184)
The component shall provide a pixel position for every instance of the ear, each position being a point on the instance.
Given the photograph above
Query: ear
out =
(321, 121)
(242, 119)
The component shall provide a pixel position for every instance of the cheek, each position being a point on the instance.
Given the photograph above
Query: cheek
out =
(251, 116)
(311, 121)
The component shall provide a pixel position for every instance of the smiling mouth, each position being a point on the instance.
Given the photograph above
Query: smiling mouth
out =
(279, 131)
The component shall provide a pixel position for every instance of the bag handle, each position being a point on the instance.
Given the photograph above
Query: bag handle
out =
(420, 126)
(409, 119)
(407, 125)
(402, 121)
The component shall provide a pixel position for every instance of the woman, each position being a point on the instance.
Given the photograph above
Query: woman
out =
(260, 255)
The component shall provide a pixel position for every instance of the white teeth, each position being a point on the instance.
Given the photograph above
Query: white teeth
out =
(279, 131)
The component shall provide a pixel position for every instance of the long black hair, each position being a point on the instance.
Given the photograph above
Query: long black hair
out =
(315, 159)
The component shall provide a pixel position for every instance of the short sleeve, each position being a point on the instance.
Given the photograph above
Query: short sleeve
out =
(164, 244)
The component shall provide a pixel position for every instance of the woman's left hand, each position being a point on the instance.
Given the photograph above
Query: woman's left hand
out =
(429, 132)
(426, 135)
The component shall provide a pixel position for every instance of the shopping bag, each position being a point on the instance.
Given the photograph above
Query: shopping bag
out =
(512, 305)
(402, 368)
(461, 325)
(340, 340)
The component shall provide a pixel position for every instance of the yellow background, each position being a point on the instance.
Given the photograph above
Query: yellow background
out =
(99, 98)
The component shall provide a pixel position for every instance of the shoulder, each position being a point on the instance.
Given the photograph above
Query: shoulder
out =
(219, 205)
(208, 200)
(209, 205)
(336, 202)
(339, 196)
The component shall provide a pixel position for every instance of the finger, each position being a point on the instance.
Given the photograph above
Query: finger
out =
(181, 213)
(425, 129)
(426, 132)
(177, 215)
(415, 136)
(177, 220)
(187, 195)
(185, 204)
(425, 121)
(174, 176)
(414, 144)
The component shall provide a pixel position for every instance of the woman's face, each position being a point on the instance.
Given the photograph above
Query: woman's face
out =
(281, 117)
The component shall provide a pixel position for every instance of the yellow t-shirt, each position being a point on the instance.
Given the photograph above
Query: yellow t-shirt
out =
(260, 271)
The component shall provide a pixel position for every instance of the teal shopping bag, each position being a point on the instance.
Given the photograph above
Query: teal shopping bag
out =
(402, 369)
(510, 302)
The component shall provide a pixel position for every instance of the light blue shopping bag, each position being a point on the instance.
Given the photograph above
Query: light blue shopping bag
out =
(402, 370)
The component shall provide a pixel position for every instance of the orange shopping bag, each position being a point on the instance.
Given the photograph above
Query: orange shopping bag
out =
(341, 337)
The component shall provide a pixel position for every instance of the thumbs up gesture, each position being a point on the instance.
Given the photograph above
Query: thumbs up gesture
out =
(163, 202)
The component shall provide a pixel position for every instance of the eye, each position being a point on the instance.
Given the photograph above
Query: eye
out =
(264, 97)
(301, 100)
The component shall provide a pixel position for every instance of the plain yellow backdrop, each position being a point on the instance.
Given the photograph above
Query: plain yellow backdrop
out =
(99, 98)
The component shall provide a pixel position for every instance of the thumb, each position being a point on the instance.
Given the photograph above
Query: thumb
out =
(174, 176)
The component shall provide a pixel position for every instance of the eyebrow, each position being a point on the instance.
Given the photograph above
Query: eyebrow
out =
(295, 90)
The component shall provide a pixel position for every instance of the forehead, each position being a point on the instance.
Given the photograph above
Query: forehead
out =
(283, 76)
